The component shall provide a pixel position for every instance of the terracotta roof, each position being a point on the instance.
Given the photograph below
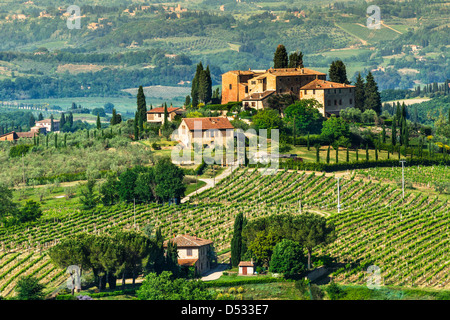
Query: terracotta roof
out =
(188, 241)
(187, 262)
(246, 264)
(258, 95)
(209, 123)
(161, 110)
(7, 134)
(294, 72)
(322, 84)
(25, 134)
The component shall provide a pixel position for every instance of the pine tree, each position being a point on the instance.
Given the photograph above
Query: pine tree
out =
(296, 60)
(338, 72)
(372, 95)
(359, 93)
(280, 58)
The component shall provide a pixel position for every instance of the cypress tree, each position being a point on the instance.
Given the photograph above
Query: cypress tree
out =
(166, 116)
(70, 119)
(62, 121)
(383, 134)
(328, 154)
(65, 140)
(337, 154)
(359, 92)
(338, 72)
(99, 124)
(296, 60)
(357, 154)
(195, 87)
(31, 121)
(367, 152)
(56, 140)
(46, 141)
(307, 142)
(348, 155)
(208, 83)
(52, 125)
(135, 125)
(317, 153)
(236, 241)
(280, 58)
(141, 104)
(394, 132)
(40, 116)
(113, 117)
(372, 95)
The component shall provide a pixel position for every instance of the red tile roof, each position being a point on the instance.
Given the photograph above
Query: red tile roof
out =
(161, 110)
(219, 123)
(322, 84)
(246, 264)
(188, 241)
(259, 96)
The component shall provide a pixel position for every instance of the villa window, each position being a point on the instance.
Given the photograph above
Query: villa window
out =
(189, 252)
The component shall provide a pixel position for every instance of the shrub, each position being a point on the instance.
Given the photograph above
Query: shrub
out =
(335, 292)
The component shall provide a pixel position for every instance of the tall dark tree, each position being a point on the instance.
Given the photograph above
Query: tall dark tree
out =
(338, 72)
(296, 60)
(195, 86)
(99, 124)
(52, 124)
(236, 241)
(372, 95)
(208, 84)
(141, 103)
(70, 119)
(359, 92)
(31, 121)
(40, 116)
(280, 58)
(62, 121)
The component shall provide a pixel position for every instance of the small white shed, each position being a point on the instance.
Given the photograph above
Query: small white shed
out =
(246, 268)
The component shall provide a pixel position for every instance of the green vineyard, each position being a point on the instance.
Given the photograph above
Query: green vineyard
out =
(406, 237)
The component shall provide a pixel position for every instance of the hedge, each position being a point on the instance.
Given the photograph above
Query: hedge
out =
(238, 282)
(331, 167)
(98, 295)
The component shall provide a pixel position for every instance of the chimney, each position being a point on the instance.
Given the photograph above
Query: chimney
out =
(303, 71)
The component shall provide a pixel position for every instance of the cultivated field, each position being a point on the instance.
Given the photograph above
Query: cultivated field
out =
(407, 238)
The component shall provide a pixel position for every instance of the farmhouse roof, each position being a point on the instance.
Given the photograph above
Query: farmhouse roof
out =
(161, 110)
(210, 123)
(246, 264)
(322, 84)
(47, 121)
(259, 95)
(188, 241)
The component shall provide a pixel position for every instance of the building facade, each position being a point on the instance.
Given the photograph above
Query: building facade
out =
(244, 85)
(193, 251)
(157, 115)
(204, 131)
(332, 96)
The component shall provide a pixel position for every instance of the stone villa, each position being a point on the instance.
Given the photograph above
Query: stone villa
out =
(255, 87)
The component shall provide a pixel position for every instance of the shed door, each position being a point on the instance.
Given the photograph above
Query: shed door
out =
(244, 271)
